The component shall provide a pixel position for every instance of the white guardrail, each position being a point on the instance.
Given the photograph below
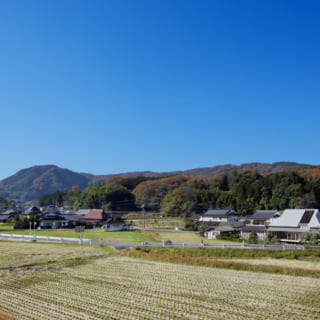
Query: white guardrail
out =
(17, 237)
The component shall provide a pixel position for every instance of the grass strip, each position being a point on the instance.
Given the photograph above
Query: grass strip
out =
(173, 257)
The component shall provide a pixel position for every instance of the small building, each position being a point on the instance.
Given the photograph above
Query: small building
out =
(213, 233)
(259, 230)
(224, 228)
(113, 227)
(219, 215)
(96, 217)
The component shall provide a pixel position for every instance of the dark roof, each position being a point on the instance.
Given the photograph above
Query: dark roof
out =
(52, 216)
(219, 212)
(224, 229)
(4, 218)
(70, 217)
(13, 211)
(33, 210)
(264, 214)
(235, 225)
(249, 228)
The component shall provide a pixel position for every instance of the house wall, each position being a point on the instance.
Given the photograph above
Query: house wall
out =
(53, 224)
(212, 234)
(261, 235)
(219, 219)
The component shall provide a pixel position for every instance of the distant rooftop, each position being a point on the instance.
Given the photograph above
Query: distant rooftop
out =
(219, 212)
(264, 214)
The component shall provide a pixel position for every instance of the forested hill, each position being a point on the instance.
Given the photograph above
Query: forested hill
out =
(34, 182)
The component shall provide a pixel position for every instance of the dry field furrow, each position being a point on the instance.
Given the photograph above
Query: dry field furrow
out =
(124, 288)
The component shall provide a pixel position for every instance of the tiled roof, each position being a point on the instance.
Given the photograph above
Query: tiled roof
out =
(219, 212)
(264, 214)
(248, 228)
(96, 214)
(70, 217)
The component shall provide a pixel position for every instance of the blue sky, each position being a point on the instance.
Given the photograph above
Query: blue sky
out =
(116, 86)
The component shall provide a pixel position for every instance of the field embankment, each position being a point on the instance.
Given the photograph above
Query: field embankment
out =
(295, 263)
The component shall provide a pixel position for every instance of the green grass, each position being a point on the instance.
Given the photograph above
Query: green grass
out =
(5, 227)
(121, 236)
(94, 234)
(310, 255)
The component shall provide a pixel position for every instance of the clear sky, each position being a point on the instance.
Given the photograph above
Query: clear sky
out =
(116, 86)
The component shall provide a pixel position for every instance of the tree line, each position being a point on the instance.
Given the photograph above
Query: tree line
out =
(184, 195)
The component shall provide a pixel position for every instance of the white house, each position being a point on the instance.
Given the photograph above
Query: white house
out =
(294, 222)
(219, 215)
(212, 234)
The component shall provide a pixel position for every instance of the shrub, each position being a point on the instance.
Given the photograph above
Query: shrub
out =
(253, 238)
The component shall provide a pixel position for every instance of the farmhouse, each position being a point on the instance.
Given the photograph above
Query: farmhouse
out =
(53, 219)
(290, 226)
(32, 211)
(263, 217)
(95, 217)
(12, 212)
(258, 223)
(219, 215)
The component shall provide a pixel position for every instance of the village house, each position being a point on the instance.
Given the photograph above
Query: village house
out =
(258, 223)
(263, 217)
(95, 217)
(293, 223)
(216, 216)
(53, 219)
(224, 228)
(32, 212)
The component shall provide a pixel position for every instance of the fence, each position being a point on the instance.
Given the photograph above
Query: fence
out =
(117, 245)
(18, 237)
(230, 246)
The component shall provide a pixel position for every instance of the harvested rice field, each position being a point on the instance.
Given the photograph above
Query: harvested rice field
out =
(114, 287)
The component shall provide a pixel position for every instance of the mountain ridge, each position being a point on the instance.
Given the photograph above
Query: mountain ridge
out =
(33, 182)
